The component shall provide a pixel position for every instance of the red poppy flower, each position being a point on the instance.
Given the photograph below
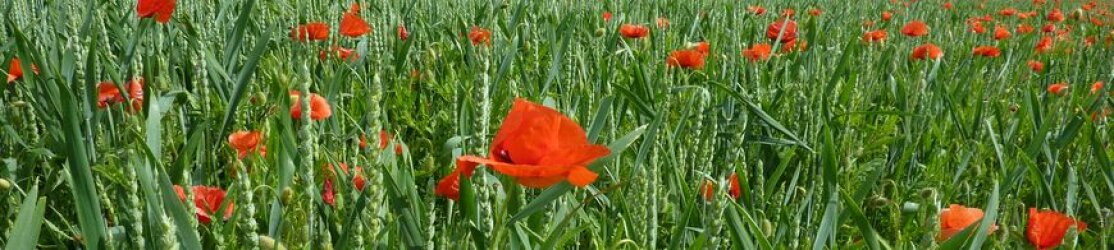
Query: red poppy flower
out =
(158, 9)
(976, 27)
(789, 33)
(315, 31)
(15, 70)
(1001, 33)
(328, 195)
(606, 16)
(1058, 88)
(788, 12)
(108, 94)
(1049, 28)
(319, 107)
(1046, 229)
(1096, 87)
(686, 58)
(537, 146)
(363, 142)
(1055, 16)
(915, 28)
(703, 47)
(244, 142)
(1025, 28)
(1044, 45)
(385, 140)
(986, 51)
(403, 34)
(1096, 21)
(955, 218)
(479, 36)
(709, 188)
(875, 36)
(1007, 12)
(339, 52)
(756, 10)
(352, 25)
(795, 45)
(357, 173)
(1036, 66)
(927, 51)
(814, 12)
(948, 6)
(206, 201)
(757, 52)
(633, 31)
(887, 15)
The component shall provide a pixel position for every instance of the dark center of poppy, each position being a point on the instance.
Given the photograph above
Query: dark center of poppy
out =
(503, 156)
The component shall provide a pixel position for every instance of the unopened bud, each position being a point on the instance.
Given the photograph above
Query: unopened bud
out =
(268, 243)
(928, 193)
(600, 32)
(5, 185)
(878, 201)
(287, 195)
(767, 227)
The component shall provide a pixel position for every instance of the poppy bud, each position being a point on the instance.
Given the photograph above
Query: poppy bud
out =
(5, 185)
(878, 201)
(268, 243)
(767, 227)
(600, 32)
(928, 193)
(910, 207)
(1014, 107)
(287, 196)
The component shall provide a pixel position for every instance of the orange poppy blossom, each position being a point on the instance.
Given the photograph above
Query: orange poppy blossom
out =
(874, 36)
(1096, 87)
(1025, 28)
(789, 34)
(1007, 12)
(686, 58)
(244, 142)
(948, 6)
(385, 140)
(915, 28)
(788, 12)
(756, 10)
(206, 201)
(479, 36)
(537, 146)
(314, 31)
(160, 10)
(1036, 66)
(1044, 45)
(108, 94)
(887, 15)
(757, 52)
(634, 31)
(606, 16)
(1046, 229)
(15, 70)
(403, 34)
(1001, 33)
(352, 25)
(339, 52)
(795, 45)
(319, 107)
(1059, 88)
(986, 51)
(955, 218)
(1055, 16)
(703, 47)
(814, 12)
(708, 189)
(976, 27)
(328, 192)
(927, 51)
(1048, 28)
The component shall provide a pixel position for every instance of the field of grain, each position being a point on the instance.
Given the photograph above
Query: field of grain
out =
(557, 124)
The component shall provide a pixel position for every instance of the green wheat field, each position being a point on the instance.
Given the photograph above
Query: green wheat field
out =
(557, 124)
